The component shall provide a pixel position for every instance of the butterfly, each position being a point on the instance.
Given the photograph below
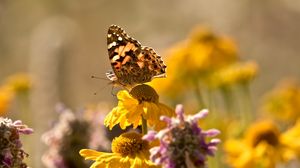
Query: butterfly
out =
(132, 63)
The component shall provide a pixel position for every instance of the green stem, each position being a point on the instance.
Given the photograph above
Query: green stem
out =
(211, 103)
(228, 99)
(144, 126)
(247, 103)
(198, 94)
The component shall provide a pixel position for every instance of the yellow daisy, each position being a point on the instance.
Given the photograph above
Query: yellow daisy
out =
(128, 151)
(201, 54)
(20, 82)
(263, 146)
(283, 102)
(140, 102)
(238, 73)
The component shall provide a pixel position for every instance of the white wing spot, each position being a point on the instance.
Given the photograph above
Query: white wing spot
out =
(112, 44)
(115, 58)
(109, 35)
(120, 38)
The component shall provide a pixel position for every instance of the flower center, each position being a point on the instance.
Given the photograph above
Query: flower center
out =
(129, 143)
(269, 136)
(144, 93)
(184, 141)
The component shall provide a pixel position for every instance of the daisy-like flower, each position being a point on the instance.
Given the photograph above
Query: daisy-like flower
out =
(183, 143)
(12, 87)
(12, 154)
(283, 102)
(264, 146)
(202, 53)
(140, 102)
(129, 150)
(238, 73)
(20, 82)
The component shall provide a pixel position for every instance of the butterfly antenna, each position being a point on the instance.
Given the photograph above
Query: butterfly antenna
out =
(95, 93)
(96, 77)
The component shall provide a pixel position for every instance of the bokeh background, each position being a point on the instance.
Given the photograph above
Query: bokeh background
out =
(62, 43)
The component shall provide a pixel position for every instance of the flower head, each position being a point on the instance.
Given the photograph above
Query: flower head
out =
(195, 58)
(141, 101)
(183, 142)
(129, 150)
(11, 88)
(20, 82)
(238, 73)
(283, 102)
(70, 134)
(12, 154)
(263, 146)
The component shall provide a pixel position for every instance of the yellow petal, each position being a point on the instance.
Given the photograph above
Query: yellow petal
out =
(90, 154)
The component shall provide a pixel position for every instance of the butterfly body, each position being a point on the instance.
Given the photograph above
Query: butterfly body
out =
(131, 62)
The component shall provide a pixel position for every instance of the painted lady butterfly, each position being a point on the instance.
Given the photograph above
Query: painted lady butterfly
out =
(131, 62)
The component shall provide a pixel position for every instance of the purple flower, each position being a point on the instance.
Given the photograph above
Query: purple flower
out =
(72, 132)
(183, 143)
(11, 152)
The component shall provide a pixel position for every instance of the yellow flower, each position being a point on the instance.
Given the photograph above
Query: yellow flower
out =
(142, 101)
(6, 96)
(291, 140)
(238, 73)
(263, 146)
(128, 151)
(214, 50)
(283, 102)
(20, 82)
(195, 58)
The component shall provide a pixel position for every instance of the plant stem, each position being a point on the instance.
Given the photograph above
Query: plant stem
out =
(247, 103)
(228, 99)
(144, 126)
(198, 94)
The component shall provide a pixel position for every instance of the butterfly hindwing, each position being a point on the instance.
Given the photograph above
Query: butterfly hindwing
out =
(152, 61)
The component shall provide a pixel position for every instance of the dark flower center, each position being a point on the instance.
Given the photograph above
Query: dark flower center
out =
(144, 93)
(129, 143)
(269, 136)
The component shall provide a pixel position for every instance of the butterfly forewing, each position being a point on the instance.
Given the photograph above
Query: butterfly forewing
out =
(131, 63)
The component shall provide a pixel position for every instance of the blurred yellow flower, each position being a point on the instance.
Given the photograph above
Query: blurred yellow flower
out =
(208, 51)
(13, 85)
(6, 96)
(20, 82)
(141, 101)
(263, 146)
(283, 102)
(291, 140)
(128, 151)
(195, 58)
(237, 73)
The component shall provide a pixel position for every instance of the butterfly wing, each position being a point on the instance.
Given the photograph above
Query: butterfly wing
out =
(152, 62)
(131, 63)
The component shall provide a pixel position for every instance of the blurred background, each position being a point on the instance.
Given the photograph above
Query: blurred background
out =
(60, 44)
